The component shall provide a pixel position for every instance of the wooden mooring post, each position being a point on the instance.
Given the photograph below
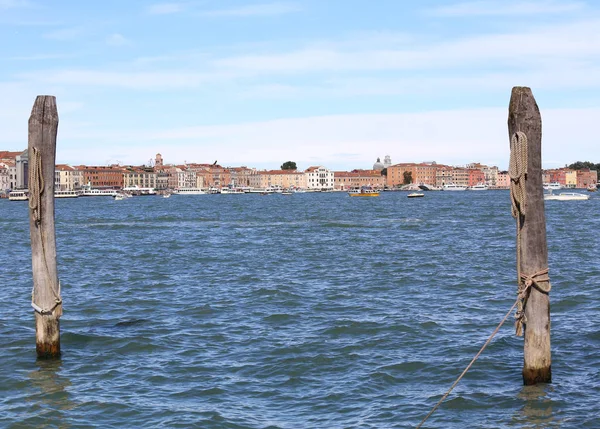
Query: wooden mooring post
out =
(45, 297)
(525, 133)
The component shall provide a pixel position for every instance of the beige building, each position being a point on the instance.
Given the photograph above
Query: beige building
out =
(67, 178)
(503, 180)
(571, 178)
(344, 180)
(140, 177)
(278, 178)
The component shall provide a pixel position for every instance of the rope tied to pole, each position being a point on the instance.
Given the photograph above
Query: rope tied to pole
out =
(36, 185)
(36, 189)
(517, 171)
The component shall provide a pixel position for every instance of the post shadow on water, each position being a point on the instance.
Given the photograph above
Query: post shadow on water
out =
(49, 398)
(536, 409)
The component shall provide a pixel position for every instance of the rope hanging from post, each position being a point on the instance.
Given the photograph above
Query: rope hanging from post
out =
(36, 185)
(36, 189)
(518, 176)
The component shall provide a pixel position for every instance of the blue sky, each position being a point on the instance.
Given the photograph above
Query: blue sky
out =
(334, 83)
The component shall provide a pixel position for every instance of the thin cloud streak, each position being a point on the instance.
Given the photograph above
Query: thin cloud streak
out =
(506, 8)
(165, 8)
(263, 9)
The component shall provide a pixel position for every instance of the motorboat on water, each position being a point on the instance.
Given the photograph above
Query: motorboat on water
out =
(453, 187)
(415, 195)
(19, 195)
(479, 187)
(566, 196)
(363, 192)
(65, 194)
(554, 186)
(119, 197)
(189, 191)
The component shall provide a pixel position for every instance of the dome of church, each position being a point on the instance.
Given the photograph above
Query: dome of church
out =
(378, 165)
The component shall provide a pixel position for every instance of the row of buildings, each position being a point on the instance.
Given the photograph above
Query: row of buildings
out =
(14, 172)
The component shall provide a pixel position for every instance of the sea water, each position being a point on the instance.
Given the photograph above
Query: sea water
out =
(302, 311)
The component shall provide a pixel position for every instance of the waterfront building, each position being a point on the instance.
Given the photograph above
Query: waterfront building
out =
(570, 178)
(241, 176)
(22, 169)
(424, 172)
(187, 178)
(142, 177)
(213, 175)
(4, 177)
(67, 178)
(503, 180)
(475, 176)
(319, 178)
(278, 178)
(102, 176)
(162, 177)
(586, 177)
(344, 180)
(557, 175)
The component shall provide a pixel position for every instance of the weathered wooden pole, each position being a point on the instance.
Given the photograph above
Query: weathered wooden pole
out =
(525, 133)
(45, 297)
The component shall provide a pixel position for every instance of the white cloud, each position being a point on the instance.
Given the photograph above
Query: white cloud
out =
(453, 137)
(117, 39)
(65, 33)
(555, 45)
(165, 8)
(496, 8)
(263, 9)
(156, 81)
(14, 4)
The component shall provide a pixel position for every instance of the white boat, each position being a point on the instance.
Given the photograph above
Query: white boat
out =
(363, 192)
(166, 195)
(89, 192)
(566, 196)
(137, 190)
(453, 187)
(554, 186)
(119, 197)
(65, 194)
(22, 195)
(189, 191)
(235, 191)
(479, 187)
(416, 195)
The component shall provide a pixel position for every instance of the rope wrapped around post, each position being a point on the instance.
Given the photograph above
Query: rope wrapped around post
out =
(36, 189)
(518, 175)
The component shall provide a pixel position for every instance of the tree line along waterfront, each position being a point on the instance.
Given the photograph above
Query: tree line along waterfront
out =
(212, 177)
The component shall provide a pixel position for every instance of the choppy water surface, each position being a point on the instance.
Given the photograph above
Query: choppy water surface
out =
(303, 311)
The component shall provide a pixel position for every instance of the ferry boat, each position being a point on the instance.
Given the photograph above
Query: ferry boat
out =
(453, 187)
(21, 195)
(552, 186)
(65, 194)
(189, 191)
(89, 192)
(479, 187)
(363, 192)
(232, 191)
(566, 196)
(136, 190)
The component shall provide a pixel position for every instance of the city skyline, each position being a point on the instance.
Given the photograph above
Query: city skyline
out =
(262, 82)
